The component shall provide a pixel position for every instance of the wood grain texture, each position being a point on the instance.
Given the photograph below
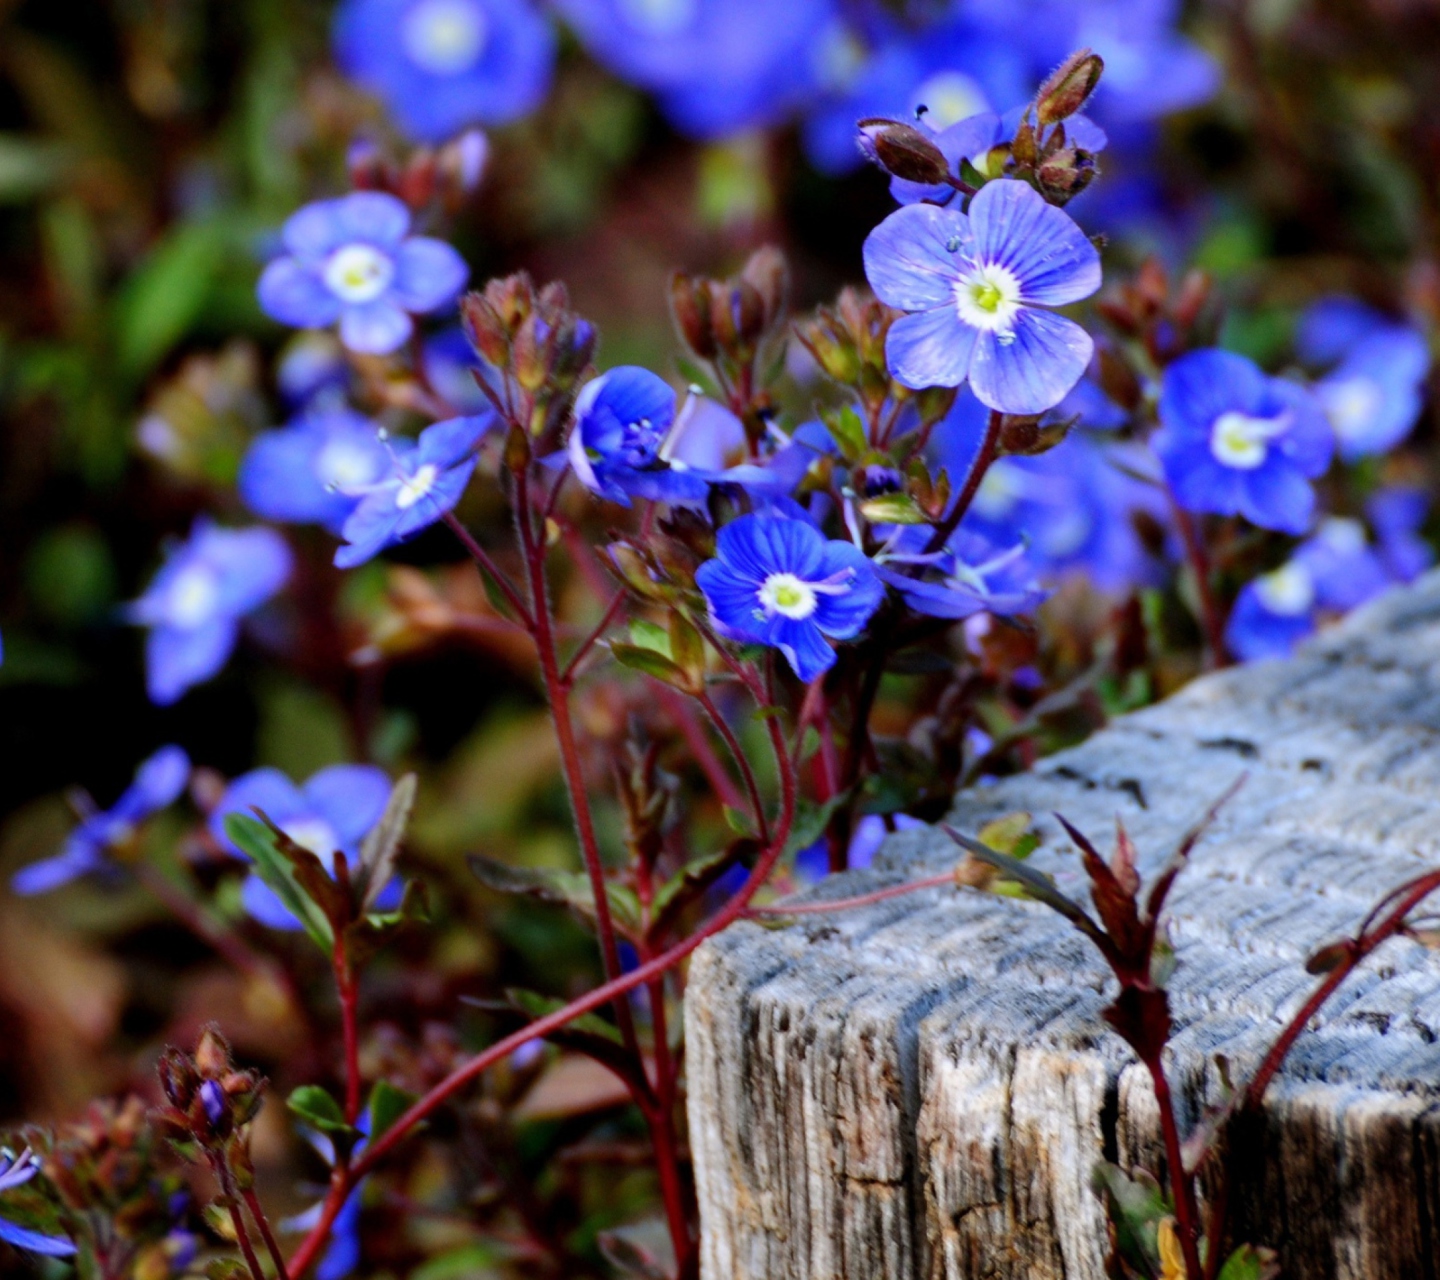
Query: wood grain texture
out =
(921, 1088)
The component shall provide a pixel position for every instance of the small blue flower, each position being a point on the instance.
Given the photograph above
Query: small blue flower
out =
(440, 65)
(621, 444)
(158, 784)
(353, 260)
(1374, 394)
(813, 864)
(777, 581)
(971, 575)
(423, 481)
(974, 285)
(15, 1172)
(331, 813)
(311, 370)
(1236, 442)
(1396, 515)
(194, 604)
(452, 365)
(311, 471)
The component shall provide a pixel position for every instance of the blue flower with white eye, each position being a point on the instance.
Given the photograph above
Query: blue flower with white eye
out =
(310, 471)
(975, 284)
(16, 1171)
(1373, 396)
(423, 481)
(778, 581)
(621, 446)
(355, 261)
(716, 66)
(970, 575)
(440, 65)
(1236, 442)
(331, 813)
(1396, 515)
(1330, 573)
(158, 784)
(194, 605)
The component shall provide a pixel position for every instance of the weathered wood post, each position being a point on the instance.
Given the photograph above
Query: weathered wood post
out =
(922, 1087)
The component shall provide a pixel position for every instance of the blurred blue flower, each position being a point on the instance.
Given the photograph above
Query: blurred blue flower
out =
(970, 575)
(621, 444)
(331, 813)
(974, 285)
(311, 471)
(452, 365)
(353, 260)
(777, 581)
(1150, 69)
(158, 783)
(440, 65)
(1236, 442)
(1373, 395)
(423, 481)
(1396, 515)
(193, 606)
(312, 370)
(716, 66)
(16, 1171)
(813, 863)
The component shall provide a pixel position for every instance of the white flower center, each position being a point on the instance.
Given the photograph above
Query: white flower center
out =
(1288, 591)
(445, 37)
(193, 596)
(344, 465)
(659, 17)
(415, 487)
(1351, 405)
(1343, 534)
(358, 273)
(1243, 442)
(785, 594)
(988, 298)
(314, 834)
(949, 97)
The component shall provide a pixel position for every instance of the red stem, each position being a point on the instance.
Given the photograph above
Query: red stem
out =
(662, 1129)
(989, 447)
(348, 992)
(612, 610)
(252, 1202)
(732, 744)
(490, 568)
(344, 1179)
(1182, 1184)
(1210, 616)
(694, 734)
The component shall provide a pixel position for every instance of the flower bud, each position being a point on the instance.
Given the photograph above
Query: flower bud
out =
(178, 1077)
(903, 151)
(768, 274)
(1068, 86)
(690, 305)
(212, 1054)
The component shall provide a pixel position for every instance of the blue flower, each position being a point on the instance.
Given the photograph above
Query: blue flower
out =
(353, 260)
(620, 446)
(311, 370)
(1396, 515)
(440, 65)
(1150, 69)
(423, 481)
(813, 864)
(331, 813)
(15, 1172)
(158, 783)
(194, 604)
(717, 66)
(973, 284)
(970, 575)
(311, 471)
(777, 581)
(452, 366)
(1235, 442)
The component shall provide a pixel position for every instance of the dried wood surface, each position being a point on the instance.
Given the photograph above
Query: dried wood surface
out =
(922, 1087)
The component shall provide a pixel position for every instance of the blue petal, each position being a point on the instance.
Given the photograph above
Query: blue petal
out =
(628, 393)
(315, 231)
(294, 294)
(158, 783)
(369, 529)
(50, 873)
(844, 616)
(175, 659)
(908, 259)
(34, 1241)
(1035, 369)
(1051, 257)
(1276, 496)
(1199, 387)
(804, 647)
(351, 798)
(1254, 633)
(262, 903)
(1333, 325)
(376, 329)
(374, 217)
(268, 790)
(930, 348)
(1199, 481)
(277, 479)
(428, 274)
(448, 443)
(444, 494)
(250, 565)
(731, 599)
(1308, 442)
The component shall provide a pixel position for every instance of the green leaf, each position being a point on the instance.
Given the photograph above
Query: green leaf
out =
(387, 1105)
(564, 888)
(28, 167)
(166, 294)
(318, 1109)
(1249, 1263)
(687, 648)
(538, 1006)
(381, 847)
(649, 635)
(849, 432)
(893, 508)
(737, 820)
(1135, 1206)
(651, 663)
(689, 882)
(257, 841)
(811, 819)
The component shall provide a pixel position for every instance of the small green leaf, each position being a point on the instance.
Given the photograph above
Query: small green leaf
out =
(687, 648)
(691, 880)
(649, 635)
(738, 821)
(318, 1109)
(893, 508)
(382, 846)
(811, 819)
(653, 664)
(848, 430)
(387, 1105)
(564, 888)
(166, 294)
(257, 840)
(539, 1006)
(1250, 1263)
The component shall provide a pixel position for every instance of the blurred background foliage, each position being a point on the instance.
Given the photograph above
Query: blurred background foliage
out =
(149, 150)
